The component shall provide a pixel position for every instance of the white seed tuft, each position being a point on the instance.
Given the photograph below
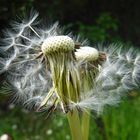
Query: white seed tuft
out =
(87, 53)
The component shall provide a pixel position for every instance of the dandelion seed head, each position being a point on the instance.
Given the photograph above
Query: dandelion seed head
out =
(56, 44)
(30, 76)
(87, 53)
(118, 75)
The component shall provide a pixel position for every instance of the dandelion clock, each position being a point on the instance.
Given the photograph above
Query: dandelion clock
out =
(46, 70)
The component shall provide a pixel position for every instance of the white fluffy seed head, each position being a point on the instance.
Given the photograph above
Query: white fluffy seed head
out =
(87, 53)
(27, 77)
(57, 44)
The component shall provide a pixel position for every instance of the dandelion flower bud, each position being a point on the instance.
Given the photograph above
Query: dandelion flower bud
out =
(87, 53)
(57, 44)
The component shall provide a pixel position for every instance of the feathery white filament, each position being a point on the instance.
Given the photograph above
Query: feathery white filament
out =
(31, 80)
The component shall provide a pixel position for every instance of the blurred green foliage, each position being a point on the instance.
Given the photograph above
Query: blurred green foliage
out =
(123, 123)
(120, 123)
(104, 29)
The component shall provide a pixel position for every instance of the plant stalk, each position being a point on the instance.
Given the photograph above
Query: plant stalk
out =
(74, 123)
(85, 124)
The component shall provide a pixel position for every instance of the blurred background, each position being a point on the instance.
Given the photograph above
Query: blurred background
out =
(99, 21)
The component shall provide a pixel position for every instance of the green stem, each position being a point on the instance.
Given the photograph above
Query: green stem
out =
(85, 125)
(75, 127)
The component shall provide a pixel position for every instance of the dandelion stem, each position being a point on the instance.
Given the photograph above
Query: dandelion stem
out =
(75, 127)
(85, 124)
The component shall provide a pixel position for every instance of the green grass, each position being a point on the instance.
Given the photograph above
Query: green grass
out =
(117, 123)
(123, 123)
